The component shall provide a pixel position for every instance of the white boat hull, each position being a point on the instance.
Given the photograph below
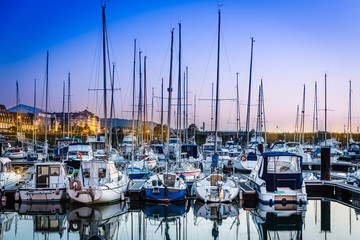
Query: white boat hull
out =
(107, 193)
(216, 194)
(42, 194)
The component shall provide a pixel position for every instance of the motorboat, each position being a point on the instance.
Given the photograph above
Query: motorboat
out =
(192, 153)
(48, 183)
(98, 181)
(159, 150)
(137, 170)
(78, 152)
(97, 144)
(173, 147)
(216, 187)
(8, 177)
(15, 153)
(62, 147)
(165, 187)
(277, 178)
(291, 147)
(129, 142)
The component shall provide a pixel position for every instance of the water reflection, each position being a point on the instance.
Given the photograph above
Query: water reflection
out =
(187, 220)
(49, 220)
(217, 213)
(278, 221)
(101, 220)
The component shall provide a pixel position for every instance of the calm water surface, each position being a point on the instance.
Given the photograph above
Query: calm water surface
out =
(189, 220)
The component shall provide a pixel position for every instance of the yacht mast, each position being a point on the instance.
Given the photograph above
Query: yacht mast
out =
(217, 85)
(249, 95)
(170, 90)
(212, 107)
(186, 105)
(349, 117)
(34, 125)
(111, 107)
(104, 71)
(194, 117)
(63, 111)
(162, 111)
(152, 114)
(133, 107)
(17, 109)
(46, 105)
(315, 117)
(140, 99)
(145, 103)
(263, 109)
(296, 124)
(238, 127)
(69, 104)
(302, 124)
(179, 92)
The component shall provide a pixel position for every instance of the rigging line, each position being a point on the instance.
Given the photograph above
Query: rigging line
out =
(162, 66)
(228, 62)
(208, 62)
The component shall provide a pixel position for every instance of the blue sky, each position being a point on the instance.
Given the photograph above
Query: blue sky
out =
(296, 43)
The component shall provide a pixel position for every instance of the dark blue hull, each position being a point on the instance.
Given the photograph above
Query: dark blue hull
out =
(159, 194)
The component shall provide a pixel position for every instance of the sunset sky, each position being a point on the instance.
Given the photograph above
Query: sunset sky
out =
(296, 43)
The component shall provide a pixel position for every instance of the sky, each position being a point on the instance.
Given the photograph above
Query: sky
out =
(296, 43)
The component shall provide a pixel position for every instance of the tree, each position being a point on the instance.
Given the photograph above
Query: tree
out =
(191, 129)
(157, 131)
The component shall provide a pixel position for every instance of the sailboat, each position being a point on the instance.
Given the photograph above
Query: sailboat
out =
(216, 187)
(166, 187)
(98, 181)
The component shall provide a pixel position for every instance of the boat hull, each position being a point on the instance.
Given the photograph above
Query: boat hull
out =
(42, 195)
(97, 195)
(161, 195)
(216, 194)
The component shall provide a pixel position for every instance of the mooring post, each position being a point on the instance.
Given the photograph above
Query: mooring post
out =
(261, 147)
(325, 163)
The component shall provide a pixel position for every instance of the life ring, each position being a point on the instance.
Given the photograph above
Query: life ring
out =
(79, 155)
(77, 186)
(75, 228)
(243, 158)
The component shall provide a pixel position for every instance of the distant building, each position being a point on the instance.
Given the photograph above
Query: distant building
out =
(84, 119)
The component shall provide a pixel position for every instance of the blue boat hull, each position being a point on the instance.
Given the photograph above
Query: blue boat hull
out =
(137, 173)
(158, 194)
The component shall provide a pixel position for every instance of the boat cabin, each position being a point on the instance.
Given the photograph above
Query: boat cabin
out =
(280, 169)
(191, 150)
(49, 175)
(98, 172)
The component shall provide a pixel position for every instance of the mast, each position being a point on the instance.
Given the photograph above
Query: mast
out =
(212, 107)
(186, 105)
(325, 111)
(104, 71)
(133, 107)
(349, 117)
(179, 91)
(34, 124)
(140, 99)
(17, 109)
(258, 116)
(170, 90)
(315, 117)
(249, 95)
(302, 124)
(194, 117)
(152, 114)
(162, 111)
(263, 109)
(111, 106)
(63, 111)
(69, 104)
(46, 105)
(145, 104)
(296, 124)
(217, 85)
(238, 128)
(184, 108)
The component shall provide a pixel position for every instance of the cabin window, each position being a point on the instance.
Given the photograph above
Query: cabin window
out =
(87, 173)
(283, 164)
(102, 172)
(54, 171)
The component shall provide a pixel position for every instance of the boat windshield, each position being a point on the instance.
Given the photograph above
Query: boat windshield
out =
(173, 141)
(284, 164)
